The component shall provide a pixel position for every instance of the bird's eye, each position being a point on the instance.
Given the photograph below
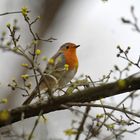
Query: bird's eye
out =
(67, 47)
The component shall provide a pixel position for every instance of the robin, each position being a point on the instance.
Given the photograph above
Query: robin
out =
(60, 70)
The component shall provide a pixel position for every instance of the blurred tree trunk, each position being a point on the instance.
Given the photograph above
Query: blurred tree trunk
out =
(46, 9)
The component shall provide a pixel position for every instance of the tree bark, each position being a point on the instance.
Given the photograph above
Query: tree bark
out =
(87, 95)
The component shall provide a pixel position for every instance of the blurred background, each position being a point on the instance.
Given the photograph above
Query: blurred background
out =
(94, 24)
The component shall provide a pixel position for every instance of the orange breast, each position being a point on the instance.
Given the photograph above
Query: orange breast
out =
(71, 59)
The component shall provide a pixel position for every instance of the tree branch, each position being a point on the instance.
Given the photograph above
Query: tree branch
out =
(123, 110)
(90, 94)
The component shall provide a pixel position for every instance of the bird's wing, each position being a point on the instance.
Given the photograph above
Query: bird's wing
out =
(58, 62)
(54, 71)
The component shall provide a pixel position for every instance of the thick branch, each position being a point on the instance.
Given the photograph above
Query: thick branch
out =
(90, 94)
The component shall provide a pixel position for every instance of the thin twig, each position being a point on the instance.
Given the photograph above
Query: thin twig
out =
(123, 110)
(81, 126)
(16, 12)
(35, 125)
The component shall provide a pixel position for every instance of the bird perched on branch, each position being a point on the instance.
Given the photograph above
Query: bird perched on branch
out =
(60, 70)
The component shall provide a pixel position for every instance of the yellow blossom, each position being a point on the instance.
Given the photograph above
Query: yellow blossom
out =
(66, 66)
(8, 25)
(25, 76)
(24, 11)
(70, 132)
(38, 52)
(35, 42)
(51, 61)
(4, 115)
(99, 116)
(110, 126)
(24, 65)
(122, 84)
(4, 100)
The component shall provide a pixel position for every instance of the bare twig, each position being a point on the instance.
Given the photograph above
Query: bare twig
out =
(35, 125)
(123, 110)
(134, 23)
(81, 126)
(16, 12)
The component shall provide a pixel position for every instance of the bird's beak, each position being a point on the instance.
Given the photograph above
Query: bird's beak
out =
(77, 46)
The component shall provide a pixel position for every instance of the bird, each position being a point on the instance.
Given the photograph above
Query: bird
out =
(60, 70)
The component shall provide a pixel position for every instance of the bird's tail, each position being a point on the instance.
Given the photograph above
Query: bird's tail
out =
(34, 93)
(52, 83)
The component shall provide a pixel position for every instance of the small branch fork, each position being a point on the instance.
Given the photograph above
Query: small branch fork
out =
(134, 23)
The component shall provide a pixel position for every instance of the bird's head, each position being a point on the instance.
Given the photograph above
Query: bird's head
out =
(68, 48)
